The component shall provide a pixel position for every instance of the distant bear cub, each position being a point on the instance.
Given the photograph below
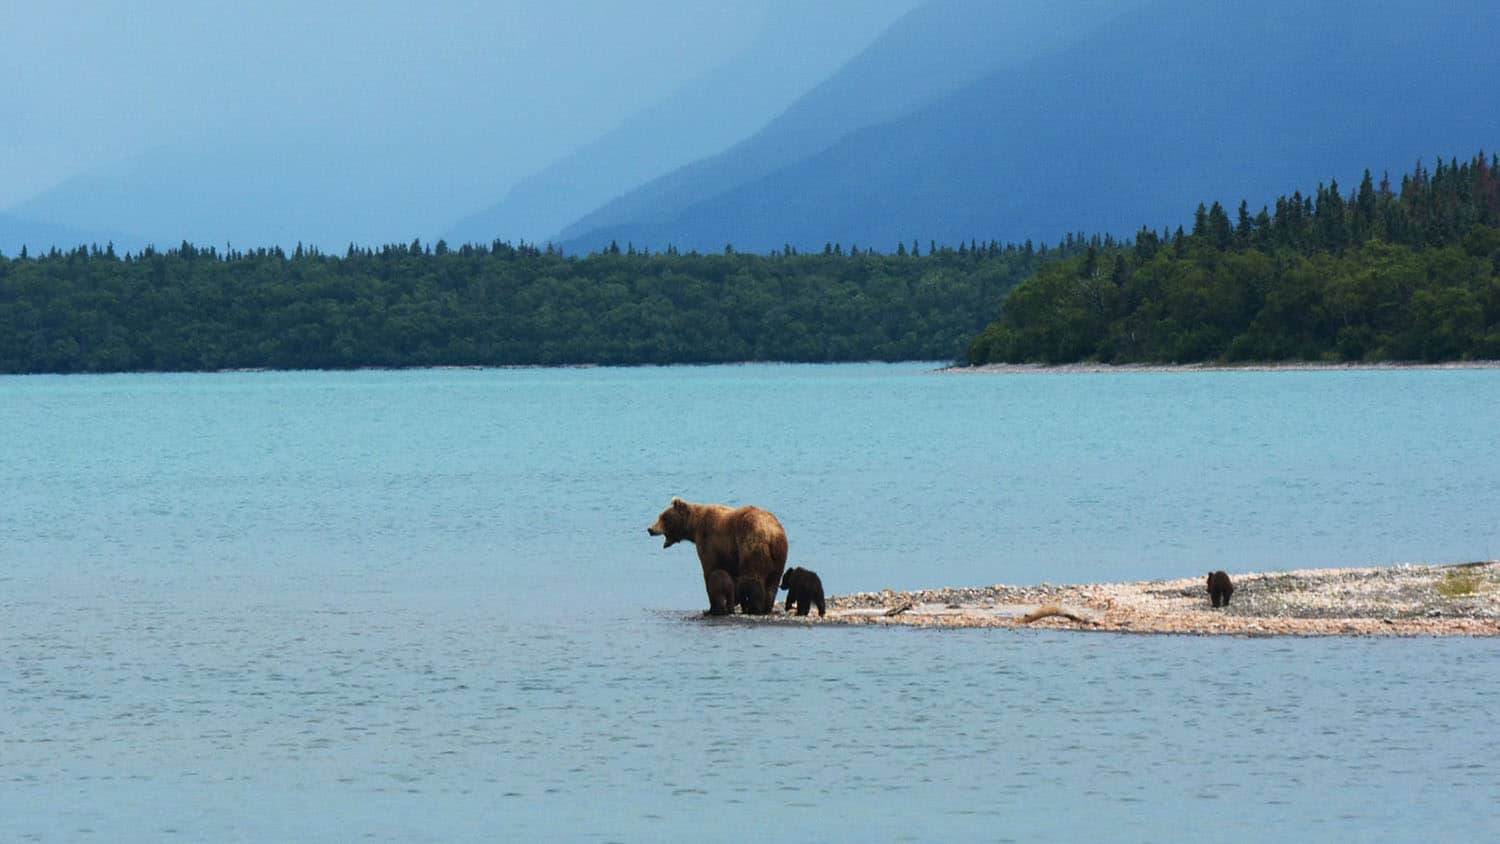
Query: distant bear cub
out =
(1219, 588)
(803, 589)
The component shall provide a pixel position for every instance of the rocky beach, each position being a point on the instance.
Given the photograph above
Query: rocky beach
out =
(1094, 368)
(1405, 600)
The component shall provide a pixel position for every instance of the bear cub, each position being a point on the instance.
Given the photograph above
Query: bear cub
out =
(720, 592)
(751, 596)
(803, 589)
(1219, 588)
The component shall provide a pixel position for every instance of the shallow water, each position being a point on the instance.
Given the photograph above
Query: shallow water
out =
(422, 605)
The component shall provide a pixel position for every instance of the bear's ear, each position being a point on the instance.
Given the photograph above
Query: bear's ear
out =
(679, 505)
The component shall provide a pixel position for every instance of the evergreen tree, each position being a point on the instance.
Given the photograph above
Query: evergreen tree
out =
(1373, 276)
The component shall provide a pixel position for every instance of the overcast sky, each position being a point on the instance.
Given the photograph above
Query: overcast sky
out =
(86, 84)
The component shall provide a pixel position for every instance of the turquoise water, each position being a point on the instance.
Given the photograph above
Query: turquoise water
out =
(423, 605)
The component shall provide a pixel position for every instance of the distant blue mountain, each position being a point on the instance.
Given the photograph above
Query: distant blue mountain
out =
(39, 237)
(1175, 103)
(799, 47)
(391, 169)
(931, 51)
(255, 187)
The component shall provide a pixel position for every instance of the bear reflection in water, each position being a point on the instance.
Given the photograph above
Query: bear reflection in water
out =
(743, 542)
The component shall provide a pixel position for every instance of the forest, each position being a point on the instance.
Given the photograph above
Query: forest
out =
(1379, 274)
(414, 305)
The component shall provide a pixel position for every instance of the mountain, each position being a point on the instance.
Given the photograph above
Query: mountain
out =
(930, 51)
(801, 44)
(1174, 103)
(260, 186)
(395, 128)
(39, 237)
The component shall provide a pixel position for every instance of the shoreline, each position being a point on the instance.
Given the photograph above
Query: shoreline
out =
(1289, 366)
(938, 367)
(1460, 599)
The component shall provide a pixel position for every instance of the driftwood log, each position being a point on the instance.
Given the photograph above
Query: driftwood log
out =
(900, 608)
(1052, 609)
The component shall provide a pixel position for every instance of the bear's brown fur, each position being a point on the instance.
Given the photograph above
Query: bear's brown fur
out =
(744, 541)
(804, 589)
(1219, 588)
(720, 593)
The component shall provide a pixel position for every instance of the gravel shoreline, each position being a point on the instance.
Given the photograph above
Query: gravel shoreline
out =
(1408, 600)
(1289, 366)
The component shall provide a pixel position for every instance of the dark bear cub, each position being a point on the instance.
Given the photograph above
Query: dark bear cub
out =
(720, 592)
(1219, 588)
(804, 589)
(751, 596)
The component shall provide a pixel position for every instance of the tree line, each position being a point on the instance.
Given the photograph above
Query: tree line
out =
(1379, 274)
(404, 305)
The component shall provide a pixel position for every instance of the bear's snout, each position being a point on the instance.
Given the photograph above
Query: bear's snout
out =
(656, 530)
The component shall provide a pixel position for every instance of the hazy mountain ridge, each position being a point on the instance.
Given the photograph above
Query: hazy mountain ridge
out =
(703, 117)
(375, 151)
(965, 118)
(39, 237)
(1169, 105)
(930, 51)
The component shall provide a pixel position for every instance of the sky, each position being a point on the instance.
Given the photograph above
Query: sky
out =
(87, 84)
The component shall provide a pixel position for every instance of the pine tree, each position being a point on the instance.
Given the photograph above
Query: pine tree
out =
(1219, 231)
(1363, 225)
(1244, 231)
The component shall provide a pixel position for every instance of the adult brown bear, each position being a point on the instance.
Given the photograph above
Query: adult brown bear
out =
(744, 541)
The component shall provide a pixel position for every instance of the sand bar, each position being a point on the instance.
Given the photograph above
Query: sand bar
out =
(1406, 600)
(1286, 366)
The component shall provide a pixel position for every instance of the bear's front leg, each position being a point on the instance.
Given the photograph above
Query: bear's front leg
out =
(708, 589)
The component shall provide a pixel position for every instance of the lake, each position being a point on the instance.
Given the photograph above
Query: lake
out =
(422, 605)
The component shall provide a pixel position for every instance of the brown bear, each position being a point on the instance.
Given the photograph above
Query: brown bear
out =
(804, 589)
(1219, 588)
(752, 596)
(741, 540)
(720, 593)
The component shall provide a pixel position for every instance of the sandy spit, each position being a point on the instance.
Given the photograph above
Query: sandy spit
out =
(1289, 366)
(1406, 600)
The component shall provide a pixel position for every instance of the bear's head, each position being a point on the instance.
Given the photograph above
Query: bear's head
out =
(791, 576)
(674, 523)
